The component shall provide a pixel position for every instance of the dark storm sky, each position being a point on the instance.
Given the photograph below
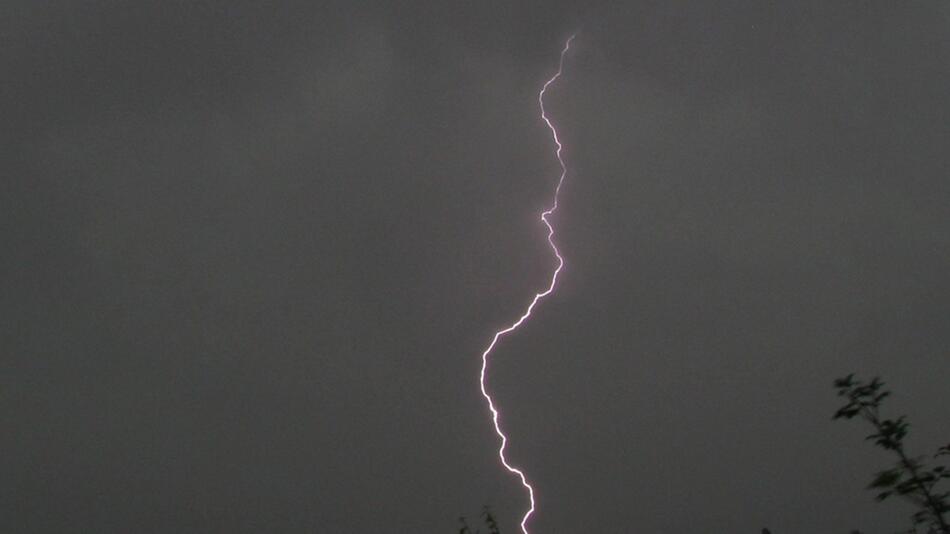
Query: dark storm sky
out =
(252, 251)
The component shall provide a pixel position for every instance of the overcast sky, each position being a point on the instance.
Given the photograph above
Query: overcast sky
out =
(251, 253)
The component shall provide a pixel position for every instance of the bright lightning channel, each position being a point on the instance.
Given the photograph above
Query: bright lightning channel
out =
(537, 298)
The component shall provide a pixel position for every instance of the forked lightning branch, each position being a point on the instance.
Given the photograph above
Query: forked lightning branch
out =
(492, 407)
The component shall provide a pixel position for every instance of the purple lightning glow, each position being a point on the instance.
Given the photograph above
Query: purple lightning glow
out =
(537, 297)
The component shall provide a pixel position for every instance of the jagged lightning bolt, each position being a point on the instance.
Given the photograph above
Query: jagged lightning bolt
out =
(537, 297)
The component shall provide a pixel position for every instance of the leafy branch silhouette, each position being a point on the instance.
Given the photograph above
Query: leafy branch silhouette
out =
(910, 477)
(489, 520)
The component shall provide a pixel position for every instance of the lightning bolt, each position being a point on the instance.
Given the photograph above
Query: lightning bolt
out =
(537, 297)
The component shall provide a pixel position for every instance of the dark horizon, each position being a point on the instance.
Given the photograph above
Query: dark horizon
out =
(253, 254)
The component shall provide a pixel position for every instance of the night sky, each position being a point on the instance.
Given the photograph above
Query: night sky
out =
(251, 253)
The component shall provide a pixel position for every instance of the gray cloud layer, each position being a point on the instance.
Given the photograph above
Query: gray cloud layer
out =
(252, 253)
